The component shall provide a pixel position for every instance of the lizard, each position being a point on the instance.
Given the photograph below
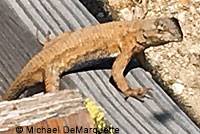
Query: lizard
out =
(121, 38)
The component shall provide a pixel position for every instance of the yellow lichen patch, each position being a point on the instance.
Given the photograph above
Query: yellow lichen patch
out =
(97, 115)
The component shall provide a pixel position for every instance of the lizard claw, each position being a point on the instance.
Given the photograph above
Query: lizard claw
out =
(138, 93)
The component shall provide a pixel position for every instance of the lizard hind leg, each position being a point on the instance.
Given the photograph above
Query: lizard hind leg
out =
(47, 38)
(51, 79)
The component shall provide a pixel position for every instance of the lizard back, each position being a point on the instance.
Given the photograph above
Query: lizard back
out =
(66, 50)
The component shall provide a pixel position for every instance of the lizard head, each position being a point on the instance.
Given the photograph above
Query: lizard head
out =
(162, 30)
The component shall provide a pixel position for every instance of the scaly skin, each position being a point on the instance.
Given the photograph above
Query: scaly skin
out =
(122, 38)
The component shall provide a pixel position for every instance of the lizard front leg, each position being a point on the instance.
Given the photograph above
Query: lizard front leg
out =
(51, 79)
(118, 68)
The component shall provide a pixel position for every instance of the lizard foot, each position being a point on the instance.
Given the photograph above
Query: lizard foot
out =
(137, 93)
(47, 37)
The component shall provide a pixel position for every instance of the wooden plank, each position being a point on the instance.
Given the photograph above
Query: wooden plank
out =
(58, 112)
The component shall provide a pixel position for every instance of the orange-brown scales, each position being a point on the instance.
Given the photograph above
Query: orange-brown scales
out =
(123, 39)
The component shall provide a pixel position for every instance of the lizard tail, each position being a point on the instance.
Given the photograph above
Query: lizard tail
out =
(13, 92)
(18, 87)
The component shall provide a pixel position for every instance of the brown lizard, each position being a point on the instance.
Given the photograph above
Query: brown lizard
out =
(122, 38)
